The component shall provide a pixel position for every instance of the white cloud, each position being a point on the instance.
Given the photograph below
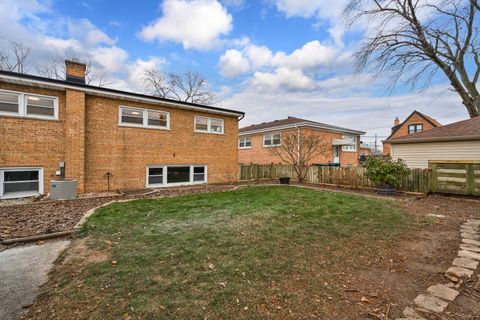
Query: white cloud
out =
(312, 55)
(196, 24)
(324, 11)
(293, 79)
(353, 108)
(259, 56)
(233, 63)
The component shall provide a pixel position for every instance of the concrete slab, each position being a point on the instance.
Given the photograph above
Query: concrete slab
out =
(470, 236)
(442, 291)
(469, 254)
(465, 263)
(469, 247)
(459, 272)
(409, 313)
(22, 271)
(472, 242)
(429, 302)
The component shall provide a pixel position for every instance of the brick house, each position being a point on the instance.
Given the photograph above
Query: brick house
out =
(107, 137)
(415, 122)
(343, 144)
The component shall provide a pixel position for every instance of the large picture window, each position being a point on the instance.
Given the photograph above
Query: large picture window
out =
(168, 175)
(20, 182)
(135, 117)
(209, 125)
(28, 105)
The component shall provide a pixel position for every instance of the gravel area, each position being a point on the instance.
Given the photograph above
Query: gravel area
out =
(28, 219)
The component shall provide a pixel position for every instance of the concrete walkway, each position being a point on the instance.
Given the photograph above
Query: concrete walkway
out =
(22, 271)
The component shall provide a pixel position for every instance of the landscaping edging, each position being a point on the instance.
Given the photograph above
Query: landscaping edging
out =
(439, 296)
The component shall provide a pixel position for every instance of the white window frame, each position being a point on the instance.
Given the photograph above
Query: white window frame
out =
(244, 143)
(144, 117)
(22, 106)
(209, 125)
(415, 130)
(349, 147)
(2, 178)
(271, 139)
(165, 175)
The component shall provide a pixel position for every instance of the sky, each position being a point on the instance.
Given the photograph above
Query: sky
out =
(268, 58)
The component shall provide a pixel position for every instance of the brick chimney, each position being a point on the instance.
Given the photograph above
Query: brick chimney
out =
(75, 71)
(396, 122)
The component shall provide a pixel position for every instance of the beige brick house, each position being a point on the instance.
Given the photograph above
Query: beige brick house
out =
(415, 122)
(107, 138)
(343, 145)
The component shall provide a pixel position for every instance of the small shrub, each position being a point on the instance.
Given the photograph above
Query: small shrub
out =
(385, 172)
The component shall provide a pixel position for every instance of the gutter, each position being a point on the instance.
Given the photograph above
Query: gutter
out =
(303, 124)
(445, 139)
(107, 92)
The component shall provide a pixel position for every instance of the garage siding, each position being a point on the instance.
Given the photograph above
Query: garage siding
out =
(417, 155)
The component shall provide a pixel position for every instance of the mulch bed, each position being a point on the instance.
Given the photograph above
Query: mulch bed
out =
(22, 220)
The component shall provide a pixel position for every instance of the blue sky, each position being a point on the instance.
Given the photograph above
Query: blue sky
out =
(270, 58)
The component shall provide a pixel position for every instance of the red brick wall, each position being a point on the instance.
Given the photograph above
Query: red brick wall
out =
(403, 130)
(27, 142)
(257, 154)
(107, 147)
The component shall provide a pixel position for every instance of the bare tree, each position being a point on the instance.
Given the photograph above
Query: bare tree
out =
(14, 56)
(55, 69)
(299, 149)
(188, 87)
(414, 39)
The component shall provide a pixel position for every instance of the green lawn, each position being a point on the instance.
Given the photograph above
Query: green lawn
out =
(259, 252)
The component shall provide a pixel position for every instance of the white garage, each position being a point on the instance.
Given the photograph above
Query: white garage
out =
(456, 141)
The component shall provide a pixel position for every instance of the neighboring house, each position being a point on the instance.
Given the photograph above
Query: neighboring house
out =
(365, 150)
(105, 136)
(254, 141)
(415, 122)
(455, 141)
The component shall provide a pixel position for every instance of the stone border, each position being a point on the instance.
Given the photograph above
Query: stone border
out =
(439, 296)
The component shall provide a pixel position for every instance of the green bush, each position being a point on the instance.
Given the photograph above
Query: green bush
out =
(385, 172)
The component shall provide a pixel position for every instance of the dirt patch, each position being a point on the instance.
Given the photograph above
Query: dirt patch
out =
(22, 220)
(80, 252)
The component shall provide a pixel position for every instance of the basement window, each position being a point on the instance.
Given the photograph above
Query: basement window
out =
(20, 182)
(209, 125)
(175, 175)
(28, 105)
(135, 117)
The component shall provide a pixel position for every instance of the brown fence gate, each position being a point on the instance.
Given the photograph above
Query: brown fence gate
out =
(457, 177)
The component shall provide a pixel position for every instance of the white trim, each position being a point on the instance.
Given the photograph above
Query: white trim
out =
(325, 127)
(22, 106)
(21, 195)
(245, 142)
(165, 175)
(125, 95)
(209, 125)
(144, 112)
(271, 135)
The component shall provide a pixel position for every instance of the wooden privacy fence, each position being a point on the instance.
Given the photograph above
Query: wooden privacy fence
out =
(457, 177)
(418, 180)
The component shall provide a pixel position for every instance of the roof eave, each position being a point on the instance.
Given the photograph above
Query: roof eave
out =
(107, 92)
(302, 124)
(434, 139)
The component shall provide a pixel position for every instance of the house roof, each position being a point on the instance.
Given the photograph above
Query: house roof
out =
(457, 131)
(430, 120)
(292, 122)
(43, 82)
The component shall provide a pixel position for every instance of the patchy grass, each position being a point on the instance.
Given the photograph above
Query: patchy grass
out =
(261, 252)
